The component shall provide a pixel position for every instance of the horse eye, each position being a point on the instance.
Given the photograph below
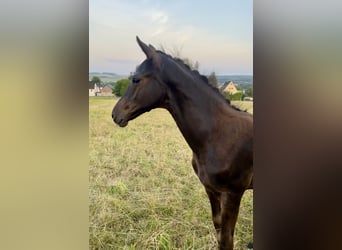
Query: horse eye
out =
(135, 80)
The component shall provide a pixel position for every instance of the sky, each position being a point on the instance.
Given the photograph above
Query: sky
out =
(218, 34)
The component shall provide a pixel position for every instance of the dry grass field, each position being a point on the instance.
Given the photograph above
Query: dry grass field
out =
(143, 192)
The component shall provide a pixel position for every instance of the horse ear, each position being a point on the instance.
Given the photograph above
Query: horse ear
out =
(150, 45)
(144, 48)
(150, 52)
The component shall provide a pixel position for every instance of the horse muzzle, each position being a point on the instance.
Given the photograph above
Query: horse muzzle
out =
(120, 121)
(125, 111)
(118, 117)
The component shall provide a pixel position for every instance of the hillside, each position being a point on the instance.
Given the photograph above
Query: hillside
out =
(106, 76)
(243, 81)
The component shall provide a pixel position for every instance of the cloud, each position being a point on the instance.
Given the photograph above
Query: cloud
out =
(113, 31)
(158, 20)
(158, 16)
(158, 32)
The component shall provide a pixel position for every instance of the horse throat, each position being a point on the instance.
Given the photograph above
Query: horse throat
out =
(192, 106)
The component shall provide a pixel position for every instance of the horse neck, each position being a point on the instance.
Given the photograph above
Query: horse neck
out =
(192, 104)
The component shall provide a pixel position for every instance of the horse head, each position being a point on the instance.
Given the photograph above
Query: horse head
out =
(146, 90)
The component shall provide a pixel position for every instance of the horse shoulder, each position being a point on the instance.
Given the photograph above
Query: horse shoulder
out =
(227, 160)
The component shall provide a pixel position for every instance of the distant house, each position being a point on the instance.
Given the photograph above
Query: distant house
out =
(94, 89)
(229, 87)
(106, 90)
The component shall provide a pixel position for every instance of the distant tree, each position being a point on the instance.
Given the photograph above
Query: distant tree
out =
(121, 87)
(249, 92)
(96, 80)
(212, 79)
(236, 97)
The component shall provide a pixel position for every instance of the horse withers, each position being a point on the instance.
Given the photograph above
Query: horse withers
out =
(220, 135)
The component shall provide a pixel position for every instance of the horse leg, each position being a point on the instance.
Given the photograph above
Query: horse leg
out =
(216, 210)
(230, 203)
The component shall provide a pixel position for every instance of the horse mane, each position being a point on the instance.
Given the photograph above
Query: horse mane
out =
(203, 78)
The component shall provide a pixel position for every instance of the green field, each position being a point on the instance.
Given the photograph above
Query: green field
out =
(143, 191)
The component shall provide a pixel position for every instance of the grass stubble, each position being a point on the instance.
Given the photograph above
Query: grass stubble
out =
(143, 192)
